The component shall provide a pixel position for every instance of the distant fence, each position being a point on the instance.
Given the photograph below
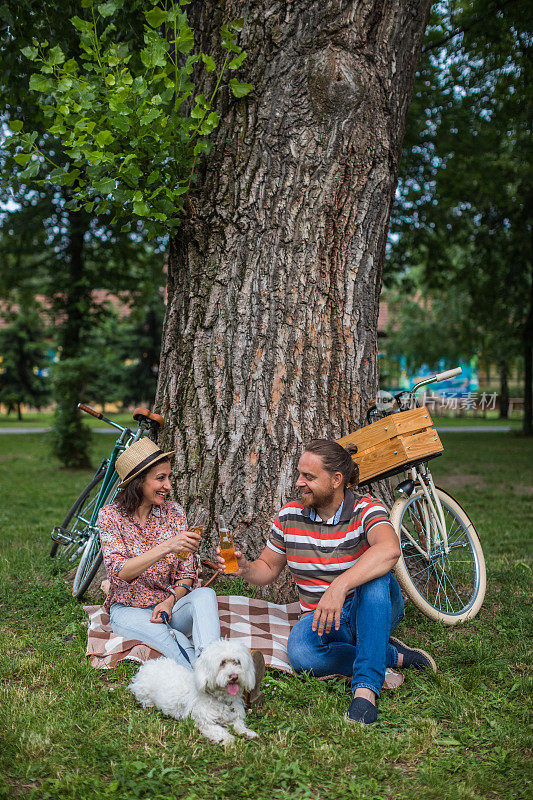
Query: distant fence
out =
(451, 404)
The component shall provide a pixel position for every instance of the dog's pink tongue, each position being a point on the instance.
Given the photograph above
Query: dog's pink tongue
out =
(233, 688)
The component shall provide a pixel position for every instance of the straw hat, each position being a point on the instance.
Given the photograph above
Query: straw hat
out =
(141, 455)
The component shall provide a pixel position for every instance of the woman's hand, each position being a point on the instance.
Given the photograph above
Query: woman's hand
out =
(186, 541)
(167, 605)
(242, 561)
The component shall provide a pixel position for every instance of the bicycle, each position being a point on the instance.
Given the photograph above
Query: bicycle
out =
(78, 536)
(441, 567)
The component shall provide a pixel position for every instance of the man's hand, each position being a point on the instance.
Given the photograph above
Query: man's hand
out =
(242, 561)
(167, 605)
(329, 609)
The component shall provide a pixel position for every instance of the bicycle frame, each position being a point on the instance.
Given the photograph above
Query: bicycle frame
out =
(422, 478)
(126, 438)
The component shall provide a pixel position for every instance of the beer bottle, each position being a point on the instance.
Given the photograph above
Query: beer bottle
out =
(227, 548)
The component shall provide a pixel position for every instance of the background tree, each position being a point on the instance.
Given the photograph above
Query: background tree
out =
(48, 245)
(273, 285)
(141, 337)
(117, 131)
(23, 359)
(462, 219)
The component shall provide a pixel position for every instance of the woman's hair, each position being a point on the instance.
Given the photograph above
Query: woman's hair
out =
(336, 458)
(130, 497)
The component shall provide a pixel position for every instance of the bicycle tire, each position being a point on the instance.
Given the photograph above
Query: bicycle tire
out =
(72, 521)
(444, 587)
(92, 555)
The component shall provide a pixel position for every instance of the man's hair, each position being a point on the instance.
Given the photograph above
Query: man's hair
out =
(335, 458)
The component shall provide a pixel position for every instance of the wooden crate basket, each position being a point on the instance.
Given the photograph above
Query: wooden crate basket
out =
(390, 445)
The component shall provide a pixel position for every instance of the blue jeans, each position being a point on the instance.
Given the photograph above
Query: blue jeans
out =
(193, 616)
(360, 649)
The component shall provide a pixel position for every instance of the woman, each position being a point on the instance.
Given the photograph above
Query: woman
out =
(142, 533)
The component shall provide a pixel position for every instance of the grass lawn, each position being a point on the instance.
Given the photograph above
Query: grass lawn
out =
(45, 419)
(70, 731)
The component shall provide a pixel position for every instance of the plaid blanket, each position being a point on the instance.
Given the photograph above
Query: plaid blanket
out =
(260, 625)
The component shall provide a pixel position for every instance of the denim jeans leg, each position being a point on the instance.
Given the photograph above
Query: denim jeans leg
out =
(330, 654)
(134, 623)
(398, 612)
(196, 615)
(371, 620)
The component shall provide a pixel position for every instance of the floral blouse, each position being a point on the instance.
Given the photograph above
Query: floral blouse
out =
(123, 538)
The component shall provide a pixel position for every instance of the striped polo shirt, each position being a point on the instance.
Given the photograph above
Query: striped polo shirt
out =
(317, 552)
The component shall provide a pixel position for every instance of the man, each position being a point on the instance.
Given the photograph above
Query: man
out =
(340, 547)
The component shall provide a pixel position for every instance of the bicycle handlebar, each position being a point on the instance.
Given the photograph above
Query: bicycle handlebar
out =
(450, 373)
(91, 411)
(437, 378)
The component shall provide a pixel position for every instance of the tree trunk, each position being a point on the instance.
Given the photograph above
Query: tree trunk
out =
(70, 438)
(504, 388)
(270, 336)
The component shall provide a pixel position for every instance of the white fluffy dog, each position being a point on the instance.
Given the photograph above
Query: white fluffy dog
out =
(211, 694)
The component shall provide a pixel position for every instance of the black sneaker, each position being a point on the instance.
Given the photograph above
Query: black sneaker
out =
(362, 711)
(413, 656)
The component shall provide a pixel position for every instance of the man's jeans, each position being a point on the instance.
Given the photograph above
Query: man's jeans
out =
(193, 616)
(360, 648)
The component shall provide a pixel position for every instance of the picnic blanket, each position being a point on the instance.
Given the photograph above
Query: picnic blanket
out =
(258, 624)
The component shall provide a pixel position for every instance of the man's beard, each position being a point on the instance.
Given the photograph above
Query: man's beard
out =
(317, 499)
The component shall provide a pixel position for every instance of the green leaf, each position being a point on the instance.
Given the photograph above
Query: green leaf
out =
(81, 25)
(154, 54)
(448, 741)
(150, 115)
(15, 125)
(70, 66)
(185, 40)
(103, 138)
(237, 24)
(23, 158)
(56, 56)
(120, 123)
(39, 83)
(107, 9)
(210, 123)
(31, 170)
(153, 176)
(203, 146)
(209, 63)
(156, 17)
(105, 185)
(30, 52)
(141, 209)
(235, 63)
(239, 89)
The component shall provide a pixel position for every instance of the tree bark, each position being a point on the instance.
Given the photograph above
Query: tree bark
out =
(270, 336)
(504, 388)
(70, 439)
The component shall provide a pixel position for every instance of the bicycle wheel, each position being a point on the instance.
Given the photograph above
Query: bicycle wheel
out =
(449, 587)
(92, 555)
(75, 523)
